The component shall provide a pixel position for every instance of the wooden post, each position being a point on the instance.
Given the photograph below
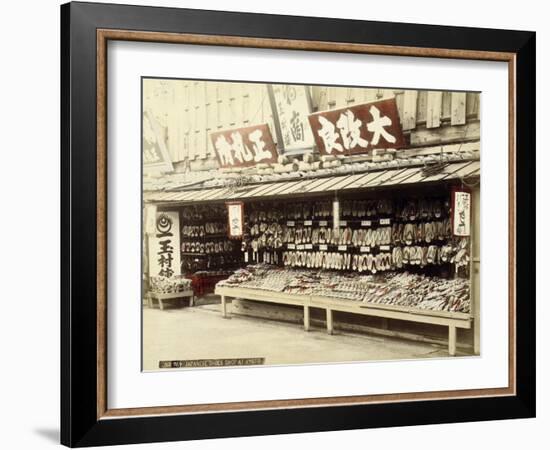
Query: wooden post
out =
(224, 307)
(192, 300)
(409, 109)
(161, 306)
(329, 321)
(474, 269)
(306, 318)
(458, 108)
(433, 116)
(452, 340)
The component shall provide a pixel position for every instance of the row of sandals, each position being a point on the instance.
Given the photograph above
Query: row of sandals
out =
(399, 233)
(398, 258)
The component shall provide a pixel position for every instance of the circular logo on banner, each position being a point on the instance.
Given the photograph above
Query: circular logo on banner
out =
(164, 223)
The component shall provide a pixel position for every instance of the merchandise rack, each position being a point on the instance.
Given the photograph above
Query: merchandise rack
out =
(452, 320)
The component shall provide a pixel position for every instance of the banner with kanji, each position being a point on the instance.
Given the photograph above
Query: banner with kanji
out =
(292, 105)
(164, 245)
(244, 147)
(358, 129)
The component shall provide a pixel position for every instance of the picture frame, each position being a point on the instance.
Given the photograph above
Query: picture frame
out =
(86, 418)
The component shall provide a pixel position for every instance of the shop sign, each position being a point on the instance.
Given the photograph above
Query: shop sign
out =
(358, 129)
(293, 108)
(461, 208)
(244, 147)
(155, 154)
(164, 245)
(235, 218)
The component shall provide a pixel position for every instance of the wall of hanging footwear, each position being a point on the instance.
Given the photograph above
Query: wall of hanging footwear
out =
(204, 242)
(398, 252)
(409, 233)
(367, 236)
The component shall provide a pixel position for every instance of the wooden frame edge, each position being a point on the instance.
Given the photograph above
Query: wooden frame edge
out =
(101, 223)
(289, 44)
(104, 35)
(303, 403)
(512, 224)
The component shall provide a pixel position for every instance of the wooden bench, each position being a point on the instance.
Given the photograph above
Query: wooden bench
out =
(452, 320)
(171, 296)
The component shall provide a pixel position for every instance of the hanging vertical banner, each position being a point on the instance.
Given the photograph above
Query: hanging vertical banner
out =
(336, 214)
(461, 208)
(235, 219)
(358, 129)
(155, 154)
(293, 107)
(150, 219)
(164, 245)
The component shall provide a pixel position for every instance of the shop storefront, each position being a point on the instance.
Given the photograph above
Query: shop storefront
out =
(384, 238)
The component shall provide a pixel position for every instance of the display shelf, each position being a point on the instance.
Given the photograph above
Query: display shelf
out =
(206, 237)
(232, 252)
(337, 247)
(452, 320)
(162, 297)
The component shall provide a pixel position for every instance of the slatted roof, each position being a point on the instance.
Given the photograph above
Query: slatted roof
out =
(375, 179)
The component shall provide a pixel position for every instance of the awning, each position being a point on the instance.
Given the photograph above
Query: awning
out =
(375, 179)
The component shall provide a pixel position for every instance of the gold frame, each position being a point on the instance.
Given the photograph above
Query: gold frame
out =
(103, 36)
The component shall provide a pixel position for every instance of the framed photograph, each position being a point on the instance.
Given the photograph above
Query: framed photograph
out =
(278, 224)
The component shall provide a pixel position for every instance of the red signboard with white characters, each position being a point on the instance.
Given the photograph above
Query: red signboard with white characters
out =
(358, 129)
(244, 147)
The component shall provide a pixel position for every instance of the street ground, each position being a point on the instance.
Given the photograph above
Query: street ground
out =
(201, 332)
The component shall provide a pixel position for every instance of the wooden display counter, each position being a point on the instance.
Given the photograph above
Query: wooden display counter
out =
(170, 296)
(452, 320)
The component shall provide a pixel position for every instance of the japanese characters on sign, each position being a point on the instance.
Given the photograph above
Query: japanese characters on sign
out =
(461, 213)
(235, 215)
(293, 108)
(358, 129)
(164, 246)
(244, 147)
(155, 154)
